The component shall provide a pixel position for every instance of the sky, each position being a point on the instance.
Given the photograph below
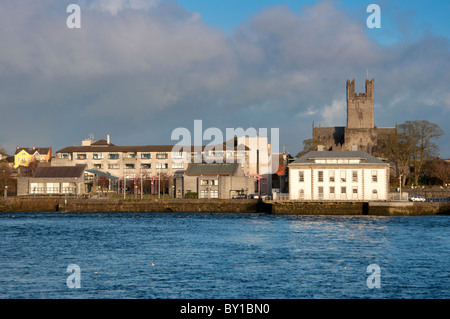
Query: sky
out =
(139, 69)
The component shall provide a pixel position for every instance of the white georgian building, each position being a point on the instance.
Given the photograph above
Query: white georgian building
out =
(338, 175)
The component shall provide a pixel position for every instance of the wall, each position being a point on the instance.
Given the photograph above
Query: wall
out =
(224, 206)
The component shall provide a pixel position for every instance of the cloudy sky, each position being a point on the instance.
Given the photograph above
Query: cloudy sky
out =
(138, 69)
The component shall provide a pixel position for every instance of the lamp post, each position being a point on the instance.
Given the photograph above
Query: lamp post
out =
(141, 184)
(400, 182)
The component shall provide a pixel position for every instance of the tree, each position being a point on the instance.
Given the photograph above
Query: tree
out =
(308, 146)
(397, 151)
(441, 170)
(419, 136)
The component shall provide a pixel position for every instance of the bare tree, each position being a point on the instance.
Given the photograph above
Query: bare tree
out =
(420, 137)
(308, 146)
(441, 170)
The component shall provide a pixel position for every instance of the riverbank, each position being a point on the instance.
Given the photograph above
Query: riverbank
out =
(222, 206)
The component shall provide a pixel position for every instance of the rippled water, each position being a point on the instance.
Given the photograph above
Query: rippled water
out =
(172, 255)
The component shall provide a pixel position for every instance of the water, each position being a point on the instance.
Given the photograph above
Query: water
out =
(225, 256)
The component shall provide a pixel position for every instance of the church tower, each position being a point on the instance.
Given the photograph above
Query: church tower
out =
(360, 106)
(360, 132)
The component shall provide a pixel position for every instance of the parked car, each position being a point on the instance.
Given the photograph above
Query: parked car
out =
(253, 196)
(240, 196)
(265, 196)
(417, 198)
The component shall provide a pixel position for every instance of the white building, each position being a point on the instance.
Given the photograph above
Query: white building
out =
(338, 175)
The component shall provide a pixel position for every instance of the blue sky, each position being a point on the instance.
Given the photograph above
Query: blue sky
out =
(425, 15)
(138, 69)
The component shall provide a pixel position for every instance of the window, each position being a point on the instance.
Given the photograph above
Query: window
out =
(374, 194)
(301, 176)
(204, 182)
(215, 182)
(162, 165)
(146, 166)
(113, 166)
(129, 166)
(113, 155)
(69, 188)
(301, 194)
(81, 156)
(161, 155)
(320, 177)
(343, 176)
(355, 176)
(52, 188)
(131, 155)
(97, 156)
(343, 192)
(146, 155)
(64, 155)
(214, 194)
(177, 155)
(98, 166)
(320, 192)
(374, 176)
(203, 194)
(355, 192)
(332, 190)
(178, 165)
(331, 174)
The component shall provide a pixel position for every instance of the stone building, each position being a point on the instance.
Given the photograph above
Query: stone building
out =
(338, 176)
(214, 180)
(68, 180)
(360, 133)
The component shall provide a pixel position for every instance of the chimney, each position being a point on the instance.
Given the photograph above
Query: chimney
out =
(320, 148)
(108, 139)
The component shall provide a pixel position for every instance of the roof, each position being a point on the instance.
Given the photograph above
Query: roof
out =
(99, 173)
(32, 150)
(113, 148)
(60, 171)
(367, 158)
(146, 148)
(212, 168)
(102, 142)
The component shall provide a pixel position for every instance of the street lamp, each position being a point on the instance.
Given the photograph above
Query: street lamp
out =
(400, 182)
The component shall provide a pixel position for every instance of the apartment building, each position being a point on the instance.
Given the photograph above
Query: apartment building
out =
(338, 176)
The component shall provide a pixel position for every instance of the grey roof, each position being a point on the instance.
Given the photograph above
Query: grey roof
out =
(367, 158)
(212, 168)
(60, 171)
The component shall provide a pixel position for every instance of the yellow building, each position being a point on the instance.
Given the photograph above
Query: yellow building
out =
(25, 155)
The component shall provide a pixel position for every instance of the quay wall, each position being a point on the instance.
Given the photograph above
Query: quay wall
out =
(18, 204)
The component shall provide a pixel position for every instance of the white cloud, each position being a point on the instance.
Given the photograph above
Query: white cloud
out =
(335, 114)
(114, 6)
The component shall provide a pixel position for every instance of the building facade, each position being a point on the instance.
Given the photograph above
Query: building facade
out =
(50, 180)
(26, 155)
(214, 180)
(338, 176)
